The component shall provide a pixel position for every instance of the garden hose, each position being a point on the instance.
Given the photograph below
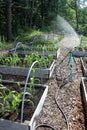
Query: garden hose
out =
(44, 126)
(56, 95)
(67, 123)
(64, 58)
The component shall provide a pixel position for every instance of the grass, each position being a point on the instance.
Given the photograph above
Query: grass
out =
(28, 35)
(4, 45)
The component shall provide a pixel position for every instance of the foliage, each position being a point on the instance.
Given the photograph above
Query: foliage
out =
(10, 99)
(30, 35)
(9, 60)
(4, 44)
(36, 40)
(84, 47)
(84, 38)
(37, 14)
(14, 60)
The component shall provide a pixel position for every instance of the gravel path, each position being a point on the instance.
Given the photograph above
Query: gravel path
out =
(68, 96)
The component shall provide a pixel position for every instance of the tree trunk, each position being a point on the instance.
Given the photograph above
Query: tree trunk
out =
(9, 20)
(42, 12)
(31, 14)
(77, 21)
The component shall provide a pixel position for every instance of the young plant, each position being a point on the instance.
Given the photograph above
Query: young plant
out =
(11, 99)
(15, 59)
(27, 60)
(11, 102)
(32, 81)
(10, 59)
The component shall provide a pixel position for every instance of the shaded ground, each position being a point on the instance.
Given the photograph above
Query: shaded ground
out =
(68, 96)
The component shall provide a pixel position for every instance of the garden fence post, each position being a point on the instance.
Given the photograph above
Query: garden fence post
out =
(70, 63)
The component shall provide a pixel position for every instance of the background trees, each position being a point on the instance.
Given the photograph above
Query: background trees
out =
(18, 15)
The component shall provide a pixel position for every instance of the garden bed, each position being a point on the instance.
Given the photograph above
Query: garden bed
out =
(55, 53)
(84, 92)
(22, 71)
(16, 66)
(10, 120)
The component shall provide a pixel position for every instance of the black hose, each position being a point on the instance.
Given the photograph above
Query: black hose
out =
(59, 87)
(45, 126)
(60, 107)
(57, 93)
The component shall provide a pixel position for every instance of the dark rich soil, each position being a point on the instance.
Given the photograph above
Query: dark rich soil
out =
(28, 107)
(14, 78)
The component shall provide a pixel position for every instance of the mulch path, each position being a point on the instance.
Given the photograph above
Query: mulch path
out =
(68, 96)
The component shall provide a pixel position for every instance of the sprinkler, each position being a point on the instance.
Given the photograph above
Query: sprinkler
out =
(19, 44)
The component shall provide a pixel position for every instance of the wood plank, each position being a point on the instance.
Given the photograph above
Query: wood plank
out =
(9, 125)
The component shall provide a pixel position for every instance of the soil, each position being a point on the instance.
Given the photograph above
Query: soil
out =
(13, 78)
(65, 87)
(29, 108)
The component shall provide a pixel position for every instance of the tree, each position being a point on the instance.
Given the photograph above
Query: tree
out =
(9, 20)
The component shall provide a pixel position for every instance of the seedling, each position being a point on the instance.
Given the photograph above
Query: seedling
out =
(11, 99)
(16, 60)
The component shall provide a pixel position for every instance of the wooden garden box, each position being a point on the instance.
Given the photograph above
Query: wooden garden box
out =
(84, 67)
(27, 124)
(23, 71)
(84, 92)
(55, 53)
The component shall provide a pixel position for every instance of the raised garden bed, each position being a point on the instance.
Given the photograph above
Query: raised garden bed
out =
(84, 92)
(44, 48)
(22, 70)
(84, 66)
(55, 53)
(10, 119)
